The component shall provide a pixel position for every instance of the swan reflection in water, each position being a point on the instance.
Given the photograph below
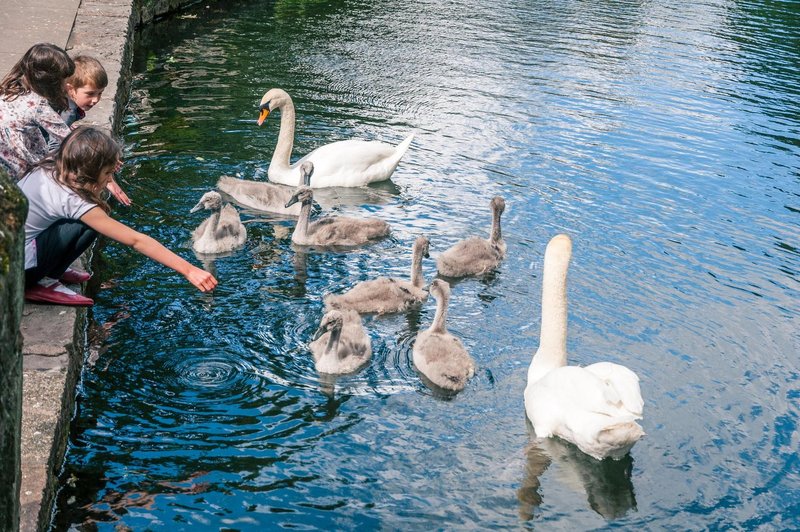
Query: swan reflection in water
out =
(607, 483)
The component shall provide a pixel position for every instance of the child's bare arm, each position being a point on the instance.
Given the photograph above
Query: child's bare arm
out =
(101, 222)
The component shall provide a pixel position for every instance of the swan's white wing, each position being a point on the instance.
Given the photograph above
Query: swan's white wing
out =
(621, 384)
(356, 161)
(563, 397)
(571, 392)
(573, 403)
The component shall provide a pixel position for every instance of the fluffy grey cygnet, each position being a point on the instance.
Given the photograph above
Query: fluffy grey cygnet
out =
(332, 230)
(387, 294)
(264, 196)
(476, 256)
(340, 344)
(439, 355)
(222, 231)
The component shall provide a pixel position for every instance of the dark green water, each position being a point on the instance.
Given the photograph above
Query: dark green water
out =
(662, 136)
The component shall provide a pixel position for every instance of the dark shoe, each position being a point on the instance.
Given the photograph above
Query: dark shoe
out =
(50, 294)
(75, 276)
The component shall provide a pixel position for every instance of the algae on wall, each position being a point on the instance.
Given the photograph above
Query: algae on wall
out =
(147, 10)
(13, 210)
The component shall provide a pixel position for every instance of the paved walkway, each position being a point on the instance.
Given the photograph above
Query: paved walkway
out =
(26, 22)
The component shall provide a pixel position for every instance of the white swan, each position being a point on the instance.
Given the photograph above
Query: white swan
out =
(220, 232)
(437, 354)
(475, 255)
(346, 163)
(332, 230)
(264, 196)
(340, 344)
(594, 407)
(387, 294)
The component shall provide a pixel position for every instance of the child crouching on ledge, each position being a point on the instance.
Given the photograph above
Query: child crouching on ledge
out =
(66, 212)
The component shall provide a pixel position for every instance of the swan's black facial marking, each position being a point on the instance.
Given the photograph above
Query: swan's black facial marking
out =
(263, 112)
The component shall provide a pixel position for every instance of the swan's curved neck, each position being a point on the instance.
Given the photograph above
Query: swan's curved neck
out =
(333, 343)
(552, 352)
(283, 148)
(301, 229)
(214, 221)
(496, 234)
(438, 325)
(416, 268)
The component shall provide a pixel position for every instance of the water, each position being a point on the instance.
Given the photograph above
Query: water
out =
(662, 136)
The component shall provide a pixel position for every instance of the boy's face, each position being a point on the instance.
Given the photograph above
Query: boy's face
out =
(84, 97)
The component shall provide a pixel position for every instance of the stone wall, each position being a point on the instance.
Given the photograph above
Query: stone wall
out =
(146, 11)
(13, 209)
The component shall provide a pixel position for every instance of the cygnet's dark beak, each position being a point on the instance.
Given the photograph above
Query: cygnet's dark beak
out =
(197, 207)
(323, 328)
(291, 201)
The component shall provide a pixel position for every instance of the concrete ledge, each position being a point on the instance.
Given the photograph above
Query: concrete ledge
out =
(50, 372)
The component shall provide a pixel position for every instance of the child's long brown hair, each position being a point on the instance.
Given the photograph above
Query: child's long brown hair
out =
(80, 161)
(42, 69)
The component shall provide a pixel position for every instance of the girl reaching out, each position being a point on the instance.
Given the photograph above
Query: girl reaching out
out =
(66, 212)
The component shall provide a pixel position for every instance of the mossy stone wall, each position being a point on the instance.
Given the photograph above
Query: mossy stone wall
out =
(13, 210)
(147, 10)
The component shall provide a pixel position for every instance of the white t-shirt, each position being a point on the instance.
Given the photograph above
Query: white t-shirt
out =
(48, 202)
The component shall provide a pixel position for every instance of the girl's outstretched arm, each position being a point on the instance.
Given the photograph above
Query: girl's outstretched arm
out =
(101, 222)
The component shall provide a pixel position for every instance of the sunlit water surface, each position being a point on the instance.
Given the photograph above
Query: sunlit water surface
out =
(662, 136)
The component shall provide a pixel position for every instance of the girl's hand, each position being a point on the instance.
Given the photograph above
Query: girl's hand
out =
(203, 280)
(118, 193)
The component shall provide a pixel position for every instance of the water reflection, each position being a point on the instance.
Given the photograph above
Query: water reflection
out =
(300, 264)
(381, 193)
(606, 483)
(113, 504)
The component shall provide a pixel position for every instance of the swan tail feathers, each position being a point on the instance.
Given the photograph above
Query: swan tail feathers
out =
(399, 151)
(403, 146)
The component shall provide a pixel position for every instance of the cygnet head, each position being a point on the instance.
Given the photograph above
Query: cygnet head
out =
(423, 244)
(332, 319)
(439, 289)
(303, 194)
(306, 171)
(211, 200)
(498, 204)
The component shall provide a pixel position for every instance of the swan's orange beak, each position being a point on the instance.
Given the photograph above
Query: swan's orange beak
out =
(262, 115)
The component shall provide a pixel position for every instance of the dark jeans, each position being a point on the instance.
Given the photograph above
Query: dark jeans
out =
(57, 247)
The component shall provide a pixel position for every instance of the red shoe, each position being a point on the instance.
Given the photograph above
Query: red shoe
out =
(58, 294)
(75, 276)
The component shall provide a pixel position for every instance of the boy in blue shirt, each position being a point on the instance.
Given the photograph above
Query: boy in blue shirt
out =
(84, 88)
